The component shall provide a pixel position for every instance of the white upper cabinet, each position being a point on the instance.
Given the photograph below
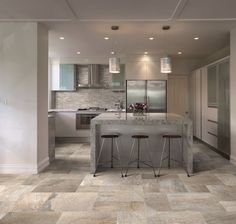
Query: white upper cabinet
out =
(153, 71)
(136, 70)
(144, 70)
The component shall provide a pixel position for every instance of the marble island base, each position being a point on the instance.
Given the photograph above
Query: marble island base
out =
(154, 125)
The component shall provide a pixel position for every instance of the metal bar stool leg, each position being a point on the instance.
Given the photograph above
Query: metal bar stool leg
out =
(130, 156)
(111, 152)
(100, 153)
(138, 154)
(162, 153)
(149, 157)
(168, 153)
(119, 158)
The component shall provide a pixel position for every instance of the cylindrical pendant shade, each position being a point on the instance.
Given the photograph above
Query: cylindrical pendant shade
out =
(166, 66)
(114, 65)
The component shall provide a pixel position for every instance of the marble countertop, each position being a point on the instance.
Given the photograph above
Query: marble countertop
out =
(82, 111)
(149, 118)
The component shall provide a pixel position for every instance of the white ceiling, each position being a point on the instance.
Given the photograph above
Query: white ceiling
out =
(84, 23)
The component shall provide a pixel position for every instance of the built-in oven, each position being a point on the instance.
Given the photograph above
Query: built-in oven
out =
(83, 120)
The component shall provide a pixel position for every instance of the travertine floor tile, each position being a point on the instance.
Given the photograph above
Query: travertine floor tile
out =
(131, 218)
(202, 179)
(220, 217)
(157, 202)
(229, 206)
(194, 202)
(90, 217)
(73, 201)
(227, 179)
(58, 185)
(31, 202)
(177, 218)
(222, 192)
(30, 218)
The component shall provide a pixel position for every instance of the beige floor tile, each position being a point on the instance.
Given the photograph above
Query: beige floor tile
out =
(157, 202)
(30, 218)
(31, 202)
(131, 218)
(177, 218)
(220, 217)
(200, 179)
(117, 206)
(194, 202)
(229, 206)
(196, 188)
(87, 217)
(73, 201)
(222, 192)
(227, 179)
(171, 184)
(14, 192)
(58, 185)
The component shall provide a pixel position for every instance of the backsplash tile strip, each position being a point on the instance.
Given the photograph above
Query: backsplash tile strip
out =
(83, 98)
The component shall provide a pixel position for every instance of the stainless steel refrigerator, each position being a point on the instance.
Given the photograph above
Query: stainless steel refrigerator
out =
(151, 92)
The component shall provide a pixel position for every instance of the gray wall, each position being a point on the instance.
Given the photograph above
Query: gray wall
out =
(23, 83)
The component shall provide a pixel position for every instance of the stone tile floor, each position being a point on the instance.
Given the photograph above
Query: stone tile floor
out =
(65, 193)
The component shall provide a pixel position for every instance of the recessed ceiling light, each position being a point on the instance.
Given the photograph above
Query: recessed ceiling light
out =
(179, 52)
(106, 38)
(112, 52)
(151, 38)
(196, 38)
(78, 52)
(145, 52)
(62, 38)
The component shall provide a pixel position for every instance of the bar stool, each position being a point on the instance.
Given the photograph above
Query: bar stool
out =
(113, 138)
(137, 138)
(169, 137)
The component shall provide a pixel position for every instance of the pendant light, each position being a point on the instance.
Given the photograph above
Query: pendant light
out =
(166, 66)
(114, 65)
(114, 62)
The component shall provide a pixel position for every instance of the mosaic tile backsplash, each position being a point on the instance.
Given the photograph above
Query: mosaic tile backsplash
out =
(88, 98)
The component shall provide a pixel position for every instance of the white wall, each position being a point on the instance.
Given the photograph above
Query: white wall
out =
(233, 94)
(23, 134)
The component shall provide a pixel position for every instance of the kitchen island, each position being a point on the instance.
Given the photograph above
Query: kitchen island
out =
(152, 124)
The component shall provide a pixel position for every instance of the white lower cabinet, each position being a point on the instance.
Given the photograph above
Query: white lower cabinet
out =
(66, 125)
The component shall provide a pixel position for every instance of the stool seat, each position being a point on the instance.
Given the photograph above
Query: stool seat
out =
(110, 136)
(139, 136)
(171, 136)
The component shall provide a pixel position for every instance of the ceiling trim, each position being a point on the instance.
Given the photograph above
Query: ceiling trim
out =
(35, 20)
(179, 9)
(71, 9)
(207, 20)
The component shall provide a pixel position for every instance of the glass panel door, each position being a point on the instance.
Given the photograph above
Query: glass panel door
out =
(156, 96)
(136, 93)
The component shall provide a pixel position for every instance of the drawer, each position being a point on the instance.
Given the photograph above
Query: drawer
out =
(212, 140)
(212, 127)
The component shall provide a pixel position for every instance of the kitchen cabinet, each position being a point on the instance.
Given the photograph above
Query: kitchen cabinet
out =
(177, 94)
(196, 99)
(153, 71)
(136, 70)
(212, 82)
(118, 80)
(209, 105)
(144, 70)
(65, 123)
(63, 77)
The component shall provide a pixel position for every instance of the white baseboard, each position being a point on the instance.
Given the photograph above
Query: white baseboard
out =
(24, 168)
(233, 159)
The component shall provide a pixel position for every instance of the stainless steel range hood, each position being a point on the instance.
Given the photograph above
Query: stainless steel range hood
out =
(90, 78)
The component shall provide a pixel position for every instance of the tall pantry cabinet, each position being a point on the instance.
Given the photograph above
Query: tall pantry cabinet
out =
(209, 105)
